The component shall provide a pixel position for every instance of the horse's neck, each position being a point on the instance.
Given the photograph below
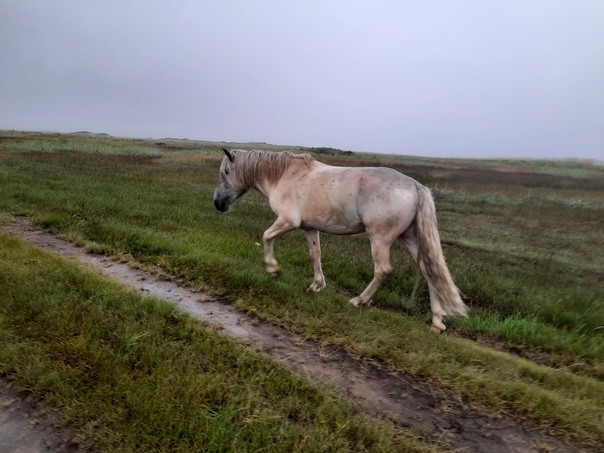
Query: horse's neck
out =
(257, 179)
(265, 183)
(263, 187)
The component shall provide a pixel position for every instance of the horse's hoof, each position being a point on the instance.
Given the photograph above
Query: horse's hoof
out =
(273, 271)
(357, 302)
(437, 323)
(316, 287)
(436, 330)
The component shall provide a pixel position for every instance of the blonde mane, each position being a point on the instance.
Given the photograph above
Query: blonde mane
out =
(253, 166)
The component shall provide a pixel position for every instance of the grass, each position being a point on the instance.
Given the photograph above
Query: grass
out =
(523, 243)
(137, 375)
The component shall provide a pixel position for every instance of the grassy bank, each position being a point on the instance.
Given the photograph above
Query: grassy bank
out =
(522, 242)
(136, 375)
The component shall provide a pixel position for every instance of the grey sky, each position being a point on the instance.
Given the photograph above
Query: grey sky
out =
(511, 78)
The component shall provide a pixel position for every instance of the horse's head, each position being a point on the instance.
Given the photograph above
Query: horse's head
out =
(229, 186)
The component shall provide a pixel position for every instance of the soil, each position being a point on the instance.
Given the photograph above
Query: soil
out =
(410, 401)
(28, 426)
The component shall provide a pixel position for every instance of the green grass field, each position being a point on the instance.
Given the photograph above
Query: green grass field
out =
(523, 240)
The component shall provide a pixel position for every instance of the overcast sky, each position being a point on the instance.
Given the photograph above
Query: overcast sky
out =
(468, 78)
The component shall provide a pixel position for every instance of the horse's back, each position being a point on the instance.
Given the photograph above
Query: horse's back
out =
(367, 184)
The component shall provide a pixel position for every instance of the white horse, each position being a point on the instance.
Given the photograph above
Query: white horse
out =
(307, 194)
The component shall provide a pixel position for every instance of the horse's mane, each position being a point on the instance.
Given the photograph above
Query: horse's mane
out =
(253, 166)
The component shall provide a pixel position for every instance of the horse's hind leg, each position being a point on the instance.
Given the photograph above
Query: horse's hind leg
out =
(279, 227)
(409, 238)
(380, 251)
(314, 249)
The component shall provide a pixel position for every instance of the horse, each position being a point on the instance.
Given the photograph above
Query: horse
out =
(315, 197)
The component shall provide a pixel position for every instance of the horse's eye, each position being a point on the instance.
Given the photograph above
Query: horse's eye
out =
(226, 172)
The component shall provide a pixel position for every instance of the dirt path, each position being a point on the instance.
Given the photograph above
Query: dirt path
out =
(409, 401)
(27, 426)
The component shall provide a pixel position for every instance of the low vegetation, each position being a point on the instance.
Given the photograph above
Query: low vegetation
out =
(523, 241)
(137, 375)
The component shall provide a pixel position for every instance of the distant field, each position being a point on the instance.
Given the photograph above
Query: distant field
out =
(523, 240)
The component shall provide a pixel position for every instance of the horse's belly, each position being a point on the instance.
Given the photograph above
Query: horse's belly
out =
(334, 227)
(331, 207)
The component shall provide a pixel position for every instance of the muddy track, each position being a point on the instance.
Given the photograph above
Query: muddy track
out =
(28, 426)
(409, 401)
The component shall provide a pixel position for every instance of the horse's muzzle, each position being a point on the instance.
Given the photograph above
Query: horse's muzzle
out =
(222, 204)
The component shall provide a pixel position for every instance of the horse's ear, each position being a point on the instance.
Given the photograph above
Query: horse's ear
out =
(228, 154)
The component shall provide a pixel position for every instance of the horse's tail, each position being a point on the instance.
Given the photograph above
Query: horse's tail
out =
(430, 255)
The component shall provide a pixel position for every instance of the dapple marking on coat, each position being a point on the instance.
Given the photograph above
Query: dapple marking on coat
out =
(387, 205)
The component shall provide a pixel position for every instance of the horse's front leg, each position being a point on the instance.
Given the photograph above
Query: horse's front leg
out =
(279, 227)
(314, 249)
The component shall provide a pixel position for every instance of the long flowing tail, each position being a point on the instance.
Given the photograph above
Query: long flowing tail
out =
(430, 256)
